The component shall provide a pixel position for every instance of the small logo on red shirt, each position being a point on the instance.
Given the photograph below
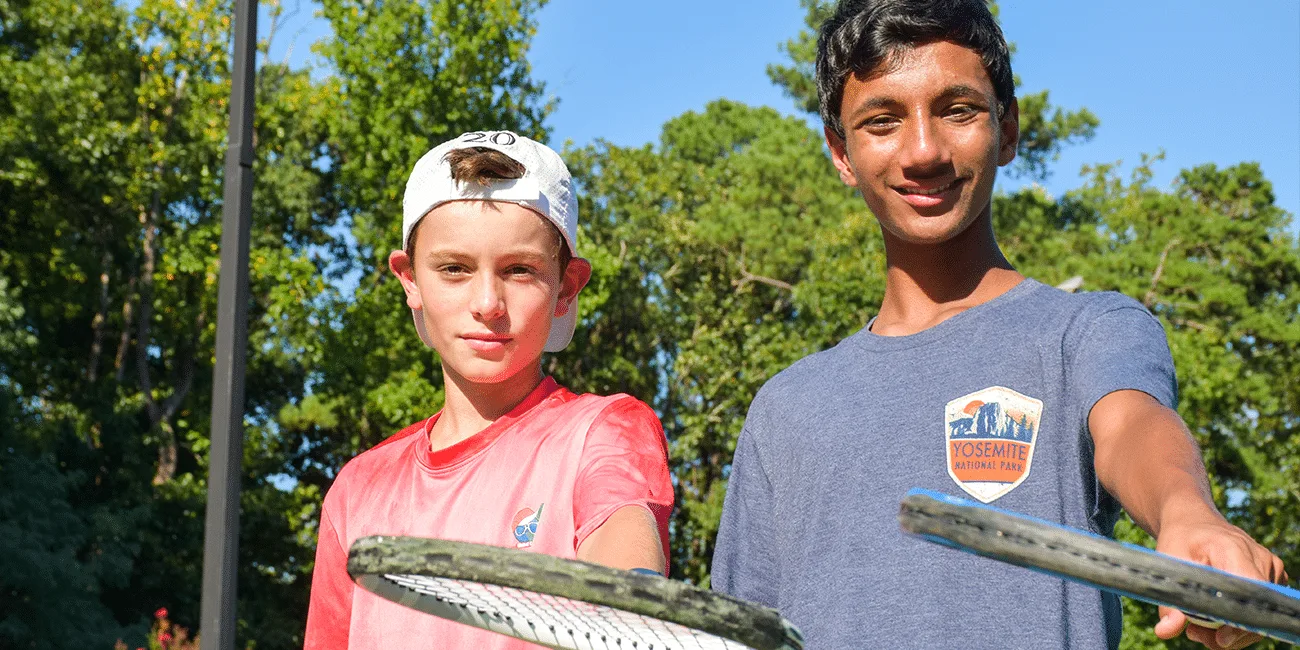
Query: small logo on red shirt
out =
(526, 526)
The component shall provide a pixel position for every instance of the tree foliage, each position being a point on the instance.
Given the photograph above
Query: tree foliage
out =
(112, 128)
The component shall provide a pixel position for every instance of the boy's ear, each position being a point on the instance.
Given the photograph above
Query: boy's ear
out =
(576, 276)
(840, 156)
(400, 264)
(1009, 130)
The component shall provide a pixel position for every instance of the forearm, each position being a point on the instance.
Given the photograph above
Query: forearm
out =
(1147, 459)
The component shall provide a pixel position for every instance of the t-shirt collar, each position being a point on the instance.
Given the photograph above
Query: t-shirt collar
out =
(449, 457)
(865, 338)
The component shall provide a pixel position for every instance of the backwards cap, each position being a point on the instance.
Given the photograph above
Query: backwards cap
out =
(545, 188)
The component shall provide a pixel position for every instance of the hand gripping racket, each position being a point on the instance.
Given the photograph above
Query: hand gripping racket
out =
(561, 603)
(1200, 591)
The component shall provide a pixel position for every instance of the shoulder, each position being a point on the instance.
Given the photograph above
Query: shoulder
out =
(1107, 314)
(373, 462)
(586, 419)
(1091, 304)
(624, 437)
(619, 416)
(1081, 305)
(809, 376)
(1073, 316)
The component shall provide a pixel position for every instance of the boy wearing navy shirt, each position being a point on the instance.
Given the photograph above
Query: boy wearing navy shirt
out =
(972, 380)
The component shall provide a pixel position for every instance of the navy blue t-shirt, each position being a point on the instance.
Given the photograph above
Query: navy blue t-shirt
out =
(991, 404)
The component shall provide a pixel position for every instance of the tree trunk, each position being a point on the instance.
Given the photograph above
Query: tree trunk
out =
(124, 341)
(97, 323)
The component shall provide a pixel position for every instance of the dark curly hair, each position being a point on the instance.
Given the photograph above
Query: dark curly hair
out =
(864, 34)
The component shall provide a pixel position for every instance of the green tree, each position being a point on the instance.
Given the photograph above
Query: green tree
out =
(49, 588)
(61, 119)
(113, 126)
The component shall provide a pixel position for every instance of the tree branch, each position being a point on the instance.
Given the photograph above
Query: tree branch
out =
(145, 314)
(275, 11)
(747, 277)
(1182, 322)
(119, 359)
(148, 220)
(1150, 298)
(168, 450)
(97, 323)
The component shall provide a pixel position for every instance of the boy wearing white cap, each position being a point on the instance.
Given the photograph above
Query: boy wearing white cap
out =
(491, 276)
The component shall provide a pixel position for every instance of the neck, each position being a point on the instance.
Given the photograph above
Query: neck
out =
(469, 407)
(926, 284)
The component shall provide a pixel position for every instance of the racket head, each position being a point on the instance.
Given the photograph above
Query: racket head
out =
(560, 603)
(1143, 574)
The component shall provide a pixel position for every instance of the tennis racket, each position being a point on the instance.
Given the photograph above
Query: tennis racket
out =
(561, 603)
(1204, 593)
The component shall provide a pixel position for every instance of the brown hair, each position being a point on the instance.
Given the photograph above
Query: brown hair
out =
(483, 166)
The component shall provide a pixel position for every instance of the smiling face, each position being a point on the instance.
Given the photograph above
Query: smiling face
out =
(487, 279)
(923, 142)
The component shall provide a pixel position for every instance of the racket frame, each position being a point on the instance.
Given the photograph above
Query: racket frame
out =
(1140, 573)
(372, 558)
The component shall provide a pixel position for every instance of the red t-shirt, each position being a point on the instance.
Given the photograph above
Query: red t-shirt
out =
(564, 461)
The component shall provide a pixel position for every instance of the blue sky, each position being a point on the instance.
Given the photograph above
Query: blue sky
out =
(1198, 79)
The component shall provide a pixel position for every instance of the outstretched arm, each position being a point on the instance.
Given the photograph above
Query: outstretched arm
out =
(1147, 459)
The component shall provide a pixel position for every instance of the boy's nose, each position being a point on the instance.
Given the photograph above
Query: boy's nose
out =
(923, 147)
(489, 303)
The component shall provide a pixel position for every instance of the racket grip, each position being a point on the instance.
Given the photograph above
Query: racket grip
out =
(646, 572)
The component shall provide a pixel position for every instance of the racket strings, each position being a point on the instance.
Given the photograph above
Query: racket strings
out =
(553, 620)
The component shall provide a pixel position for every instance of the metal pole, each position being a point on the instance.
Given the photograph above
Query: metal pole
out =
(221, 528)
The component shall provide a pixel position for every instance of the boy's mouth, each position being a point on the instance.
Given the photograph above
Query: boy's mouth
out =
(485, 342)
(929, 195)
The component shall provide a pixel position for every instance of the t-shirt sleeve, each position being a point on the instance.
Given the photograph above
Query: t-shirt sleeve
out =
(1123, 348)
(744, 561)
(624, 463)
(329, 613)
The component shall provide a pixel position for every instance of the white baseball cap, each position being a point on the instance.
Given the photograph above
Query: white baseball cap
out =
(545, 188)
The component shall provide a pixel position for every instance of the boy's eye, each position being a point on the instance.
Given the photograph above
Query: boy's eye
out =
(962, 112)
(452, 269)
(880, 123)
(519, 270)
